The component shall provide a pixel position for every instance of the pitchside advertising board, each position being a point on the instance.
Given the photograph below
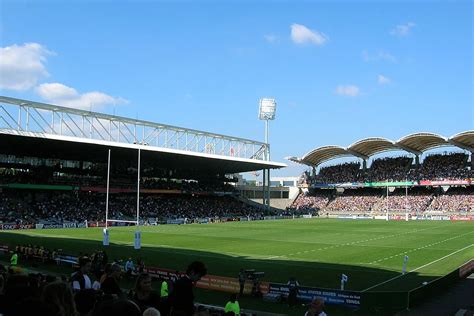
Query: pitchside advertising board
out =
(330, 296)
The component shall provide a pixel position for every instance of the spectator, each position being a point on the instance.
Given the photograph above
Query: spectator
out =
(59, 296)
(143, 294)
(151, 312)
(111, 285)
(293, 290)
(182, 297)
(316, 308)
(80, 279)
(129, 267)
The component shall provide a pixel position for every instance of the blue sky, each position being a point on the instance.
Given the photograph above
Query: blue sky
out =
(339, 70)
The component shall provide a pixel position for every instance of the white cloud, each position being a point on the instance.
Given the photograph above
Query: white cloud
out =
(63, 95)
(271, 38)
(22, 66)
(379, 56)
(383, 80)
(348, 90)
(402, 29)
(300, 34)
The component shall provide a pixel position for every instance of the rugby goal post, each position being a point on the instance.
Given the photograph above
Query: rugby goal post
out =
(137, 234)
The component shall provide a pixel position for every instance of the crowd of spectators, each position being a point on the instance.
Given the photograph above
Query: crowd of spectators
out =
(90, 292)
(453, 202)
(399, 201)
(451, 166)
(388, 169)
(372, 200)
(306, 202)
(444, 167)
(354, 202)
(347, 172)
(75, 206)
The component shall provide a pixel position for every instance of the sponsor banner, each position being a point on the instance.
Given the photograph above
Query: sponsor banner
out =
(203, 220)
(81, 225)
(466, 269)
(4, 248)
(50, 226)
(396, 218)
(350, 185)
(461, 218)
(69, 225)
(175, 221)
(12, 226)
(330, 296)
(67, 259)
(389, 184)
(432, 218)
(96, 224)
(210, 282)
(230, 285)
(307, 216)
(356, 217)
(446, 182)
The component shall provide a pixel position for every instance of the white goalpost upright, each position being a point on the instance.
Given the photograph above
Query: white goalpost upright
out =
(138, 234)
(106, 234)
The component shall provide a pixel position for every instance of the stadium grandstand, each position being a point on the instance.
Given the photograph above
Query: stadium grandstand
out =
(440, 184)
(54, 166)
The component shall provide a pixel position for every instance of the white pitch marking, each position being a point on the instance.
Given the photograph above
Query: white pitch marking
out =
(425, 265)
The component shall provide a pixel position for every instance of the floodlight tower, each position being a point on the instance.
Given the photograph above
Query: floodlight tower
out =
(267, 109)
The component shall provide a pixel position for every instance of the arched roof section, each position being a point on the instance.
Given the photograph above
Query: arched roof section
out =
(370, 146)
(325, 153)
(464, 140)
(420, 142)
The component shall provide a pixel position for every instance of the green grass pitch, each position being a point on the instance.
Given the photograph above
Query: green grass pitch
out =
(315, 251)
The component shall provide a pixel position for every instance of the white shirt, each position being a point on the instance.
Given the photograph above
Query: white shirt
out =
(87, 284)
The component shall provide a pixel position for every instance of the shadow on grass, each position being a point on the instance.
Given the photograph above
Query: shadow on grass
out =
(315, 274)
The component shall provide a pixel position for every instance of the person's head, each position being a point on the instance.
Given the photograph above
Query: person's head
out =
(59, 296)
(85, 264)
(143, 283)
(196, 270)
(316, 306)
(116, 271)
(151, 311)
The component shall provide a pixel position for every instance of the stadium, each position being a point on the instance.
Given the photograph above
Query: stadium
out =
(374, 236)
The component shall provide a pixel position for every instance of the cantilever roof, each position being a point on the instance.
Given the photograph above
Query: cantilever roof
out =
(421, 142)
(464, 140)
(371, 146)
(416, 143)
(322, 154)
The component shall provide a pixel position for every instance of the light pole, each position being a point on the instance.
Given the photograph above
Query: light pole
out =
(267, 109)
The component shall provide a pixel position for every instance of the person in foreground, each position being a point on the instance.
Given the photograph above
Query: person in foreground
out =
(182, 297)
(316, 308)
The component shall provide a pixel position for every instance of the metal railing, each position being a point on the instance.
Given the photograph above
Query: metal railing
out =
(18, 115)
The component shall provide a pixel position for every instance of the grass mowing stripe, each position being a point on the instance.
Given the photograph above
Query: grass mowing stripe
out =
(419, 248)
(421, 267)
